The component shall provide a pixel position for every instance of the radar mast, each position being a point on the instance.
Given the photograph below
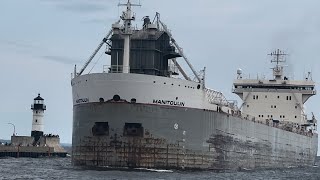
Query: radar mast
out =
(127, 16)
(278, 58)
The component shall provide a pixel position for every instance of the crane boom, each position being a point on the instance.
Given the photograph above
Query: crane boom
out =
(180, 69)
(180, 50)
(104, 40)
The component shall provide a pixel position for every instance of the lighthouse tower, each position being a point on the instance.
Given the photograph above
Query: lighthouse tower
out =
(38, 109)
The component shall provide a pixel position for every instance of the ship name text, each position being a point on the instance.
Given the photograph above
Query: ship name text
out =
(83, 100)
(168, 102)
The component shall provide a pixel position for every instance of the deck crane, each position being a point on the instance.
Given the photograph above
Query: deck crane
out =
(104, 40)
(179, 50)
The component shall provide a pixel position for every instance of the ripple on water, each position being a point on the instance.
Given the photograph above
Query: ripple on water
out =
(60, 168)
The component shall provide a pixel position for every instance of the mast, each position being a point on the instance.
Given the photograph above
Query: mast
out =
(127, 16)
(278, 58)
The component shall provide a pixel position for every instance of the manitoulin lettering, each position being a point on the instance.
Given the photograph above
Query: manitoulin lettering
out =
(168, 102)
(83, 100)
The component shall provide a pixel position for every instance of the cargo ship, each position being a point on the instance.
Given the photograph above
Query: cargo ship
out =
(144, 110)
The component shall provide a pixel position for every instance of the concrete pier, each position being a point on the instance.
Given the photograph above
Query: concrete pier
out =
(26, 146)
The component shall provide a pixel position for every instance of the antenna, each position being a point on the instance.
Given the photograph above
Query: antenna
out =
(127, 17)
(278, 57)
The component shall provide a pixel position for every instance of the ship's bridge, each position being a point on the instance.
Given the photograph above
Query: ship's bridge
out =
(306, 88)
(279, 98)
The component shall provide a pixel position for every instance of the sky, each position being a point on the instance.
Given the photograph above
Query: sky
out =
(42, 40)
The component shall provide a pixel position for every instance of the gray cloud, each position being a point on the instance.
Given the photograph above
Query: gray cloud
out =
(80, 6)
(98, 21)
(61, 59)
(17, 44)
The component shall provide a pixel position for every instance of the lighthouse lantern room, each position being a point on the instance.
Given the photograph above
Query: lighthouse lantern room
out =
(38, 107)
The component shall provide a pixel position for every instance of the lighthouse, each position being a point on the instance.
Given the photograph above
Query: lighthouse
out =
(38, 107)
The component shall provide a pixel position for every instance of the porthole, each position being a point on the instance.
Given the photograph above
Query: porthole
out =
(154, 81)
(172, 84)
(198, 87)
(164, 83)
(36, 120)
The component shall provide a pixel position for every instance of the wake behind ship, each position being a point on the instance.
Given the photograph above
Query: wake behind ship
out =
(139, 113)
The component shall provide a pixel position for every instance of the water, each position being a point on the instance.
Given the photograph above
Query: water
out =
(60, 168)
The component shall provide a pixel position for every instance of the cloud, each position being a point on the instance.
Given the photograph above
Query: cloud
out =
(17, 44)
(80, 6)
(61, 59)
(98, 21)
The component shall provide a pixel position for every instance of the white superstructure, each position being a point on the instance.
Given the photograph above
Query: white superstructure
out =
(121, 82)
(279, 99)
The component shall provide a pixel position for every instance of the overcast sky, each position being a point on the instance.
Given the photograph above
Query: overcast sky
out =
(41, 40)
